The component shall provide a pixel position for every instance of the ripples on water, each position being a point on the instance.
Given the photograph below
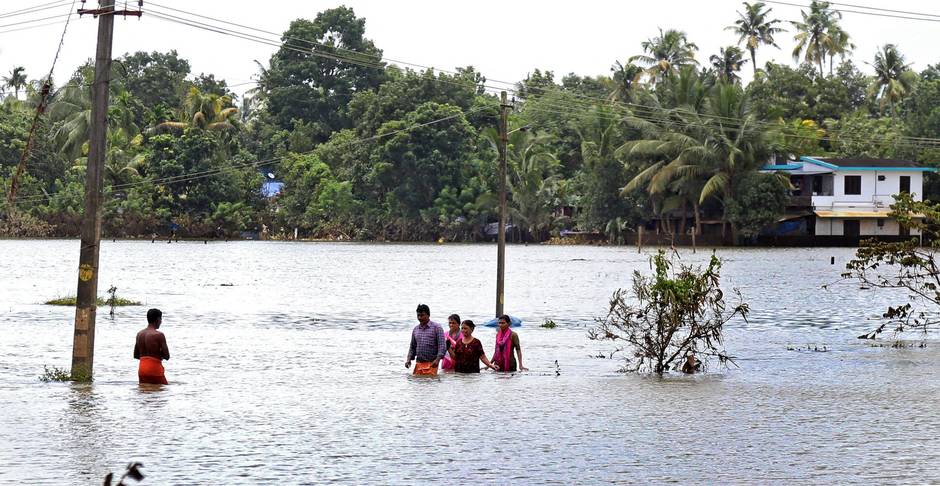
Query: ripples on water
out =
(295, 373)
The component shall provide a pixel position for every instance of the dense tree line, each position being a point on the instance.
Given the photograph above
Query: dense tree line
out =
(368, 150)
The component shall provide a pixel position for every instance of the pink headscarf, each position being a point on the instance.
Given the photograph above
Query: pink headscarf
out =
(447, 363)
(502, 357)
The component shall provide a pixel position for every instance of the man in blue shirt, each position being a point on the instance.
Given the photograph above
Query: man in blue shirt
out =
(427, 344)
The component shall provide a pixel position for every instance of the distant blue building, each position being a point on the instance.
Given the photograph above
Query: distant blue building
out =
(271, 188)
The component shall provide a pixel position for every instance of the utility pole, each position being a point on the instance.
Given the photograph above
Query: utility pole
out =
(83, 347)
(501, 235)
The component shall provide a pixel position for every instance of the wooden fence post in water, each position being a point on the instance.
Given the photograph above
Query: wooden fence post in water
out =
(639, 238)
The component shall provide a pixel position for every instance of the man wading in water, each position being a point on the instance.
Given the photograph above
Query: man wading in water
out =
(151, 349)
(427, 344)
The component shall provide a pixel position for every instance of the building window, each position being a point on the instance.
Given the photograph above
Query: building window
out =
(905, 184)
(853, 185)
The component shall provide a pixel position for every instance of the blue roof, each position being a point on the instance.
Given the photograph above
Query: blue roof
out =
(782, 166)
(271, 188)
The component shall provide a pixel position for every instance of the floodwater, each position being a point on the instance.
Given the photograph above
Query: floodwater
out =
(287, 367)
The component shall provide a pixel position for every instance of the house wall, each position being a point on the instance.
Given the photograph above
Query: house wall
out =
(867, 227)
(828, 226)
(873, 190)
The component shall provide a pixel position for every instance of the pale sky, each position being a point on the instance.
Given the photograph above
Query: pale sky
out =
(503, 39)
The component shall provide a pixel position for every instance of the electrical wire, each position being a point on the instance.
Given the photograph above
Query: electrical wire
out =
(20, 29)
(40, 107)
(282, 37)
(861, 12)
(35, 8)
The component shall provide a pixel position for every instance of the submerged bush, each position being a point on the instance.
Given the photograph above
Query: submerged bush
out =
(677, 311)
(54, 374)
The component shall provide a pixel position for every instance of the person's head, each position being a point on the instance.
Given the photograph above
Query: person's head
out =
(466, 327)
(154, 318)
(454, 322)
(504, 321)
(424, 313)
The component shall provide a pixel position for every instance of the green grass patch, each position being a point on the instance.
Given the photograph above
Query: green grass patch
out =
(549, 324)
(70, 301)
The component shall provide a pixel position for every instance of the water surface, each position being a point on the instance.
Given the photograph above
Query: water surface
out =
(288, 366)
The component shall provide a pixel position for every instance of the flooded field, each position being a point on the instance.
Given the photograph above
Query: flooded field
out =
(287, 366)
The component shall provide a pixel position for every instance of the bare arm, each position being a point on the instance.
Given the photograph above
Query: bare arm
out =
(519, 354)
(486, 361)
(441, 347)
(137, 348)
(164, 349)
(412, 350)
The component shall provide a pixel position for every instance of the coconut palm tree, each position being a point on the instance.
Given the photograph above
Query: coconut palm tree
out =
(70, 113)
(893, 77)
(16, 80)
(754, 28)
(813, 34)
(624, 80)
(532, 176)
(665, 54)
(206, 111)
(692, 151)
(728, 62)
(837, 44)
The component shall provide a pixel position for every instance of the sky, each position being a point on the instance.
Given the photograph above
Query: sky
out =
(505, 40)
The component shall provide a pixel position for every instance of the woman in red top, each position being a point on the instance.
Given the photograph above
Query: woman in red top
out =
(468, 352)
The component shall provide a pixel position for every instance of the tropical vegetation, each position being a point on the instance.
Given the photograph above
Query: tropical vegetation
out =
(336, 142)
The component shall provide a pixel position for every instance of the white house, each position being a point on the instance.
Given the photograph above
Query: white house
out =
(852, 197)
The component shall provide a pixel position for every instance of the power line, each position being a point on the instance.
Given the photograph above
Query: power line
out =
(35, 8)
(318, 44)
(885, 9)
(861, 12)
(40, 108)
(35, 20)
(33, 27)
(289, 47)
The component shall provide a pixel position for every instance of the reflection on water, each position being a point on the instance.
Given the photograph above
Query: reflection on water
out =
(295, 373)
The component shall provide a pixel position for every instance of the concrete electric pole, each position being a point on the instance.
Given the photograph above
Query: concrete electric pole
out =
(83, 347)
(501, 233)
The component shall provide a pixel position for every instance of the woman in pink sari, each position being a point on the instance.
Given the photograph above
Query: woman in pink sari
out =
(452, 336)
(506, 342)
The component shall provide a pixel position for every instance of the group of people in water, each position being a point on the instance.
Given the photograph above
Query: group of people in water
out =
(431, 348)
(457, 350)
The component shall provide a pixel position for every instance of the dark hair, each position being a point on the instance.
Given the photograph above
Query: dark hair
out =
(469, 324)
(454, 317)
(423, 309)
(154, 316)
(505, 317)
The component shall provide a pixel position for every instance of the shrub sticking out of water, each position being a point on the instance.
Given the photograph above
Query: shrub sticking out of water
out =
(114, 301)
(676, 312)
(549, 324)
(54, 374)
